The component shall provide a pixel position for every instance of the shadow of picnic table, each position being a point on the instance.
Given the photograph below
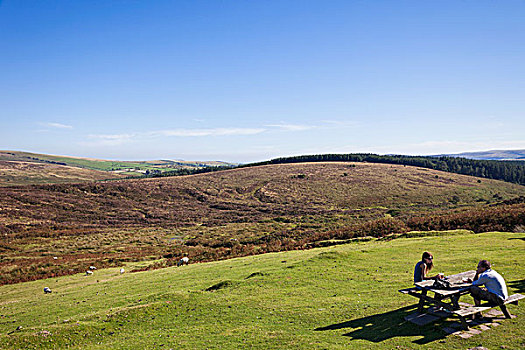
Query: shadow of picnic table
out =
(392, 324)
(518, 285)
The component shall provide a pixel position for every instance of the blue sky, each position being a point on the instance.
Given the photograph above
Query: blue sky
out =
(245, 81)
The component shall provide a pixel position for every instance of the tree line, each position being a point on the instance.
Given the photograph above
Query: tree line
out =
(187, 171)
(510, 171)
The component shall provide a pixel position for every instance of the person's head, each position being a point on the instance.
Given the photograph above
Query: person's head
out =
(428, 259)
(483, 265)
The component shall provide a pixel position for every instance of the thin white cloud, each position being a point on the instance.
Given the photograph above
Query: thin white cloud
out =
(340, 123)
(117, 139)
(291, 127)
(109, 140)
(208, 132)
(120, 139)
(57, 125)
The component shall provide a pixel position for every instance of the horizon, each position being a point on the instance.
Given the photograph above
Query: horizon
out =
(269, 159)
(247, 82)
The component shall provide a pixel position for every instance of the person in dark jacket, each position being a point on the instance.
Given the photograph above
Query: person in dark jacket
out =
(423, 268)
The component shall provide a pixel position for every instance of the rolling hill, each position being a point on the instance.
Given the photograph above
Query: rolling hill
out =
(14, 173)
(491, 155)
(24, 168)
(249, 194)
(233, 213)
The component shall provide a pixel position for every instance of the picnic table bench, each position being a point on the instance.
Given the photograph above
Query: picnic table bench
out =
(458, 287)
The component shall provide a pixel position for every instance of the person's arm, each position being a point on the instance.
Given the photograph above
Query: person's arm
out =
(479, 280)
(469, 280)
(423, 272)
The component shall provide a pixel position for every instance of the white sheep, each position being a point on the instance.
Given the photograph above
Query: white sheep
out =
(47, 290)
(183, 261)
(88, 273)
(92, 268)
(121, 271)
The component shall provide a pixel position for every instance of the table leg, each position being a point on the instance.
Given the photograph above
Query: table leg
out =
(421, 301)
(455, 301)
(464, 324)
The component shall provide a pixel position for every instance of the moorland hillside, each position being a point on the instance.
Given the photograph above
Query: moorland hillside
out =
(247, 195)
(15, 173)
(236, 212)
(25, 168)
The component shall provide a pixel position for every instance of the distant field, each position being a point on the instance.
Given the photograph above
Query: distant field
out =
(237, 212)
(342, 297)
(16, 173)
(24, 168)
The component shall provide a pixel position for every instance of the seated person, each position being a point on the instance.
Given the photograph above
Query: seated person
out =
(423, 267)
(495, 291)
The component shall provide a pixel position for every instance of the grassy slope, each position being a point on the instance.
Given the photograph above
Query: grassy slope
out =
(16, 173)
(327, 298)
(24, 168)
(100, 164)
(96, 164)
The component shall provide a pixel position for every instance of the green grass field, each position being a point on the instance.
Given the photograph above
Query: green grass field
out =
(104, 165)
(23, 168)
(337, 297)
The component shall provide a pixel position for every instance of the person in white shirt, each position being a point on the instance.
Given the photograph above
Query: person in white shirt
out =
(495, 291)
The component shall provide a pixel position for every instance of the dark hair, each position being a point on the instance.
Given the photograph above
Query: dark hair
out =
(428, 255)
(485, 264)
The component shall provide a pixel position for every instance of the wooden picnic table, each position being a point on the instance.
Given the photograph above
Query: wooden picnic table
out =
(458, 287)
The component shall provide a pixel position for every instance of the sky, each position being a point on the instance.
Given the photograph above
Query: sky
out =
(245, 81)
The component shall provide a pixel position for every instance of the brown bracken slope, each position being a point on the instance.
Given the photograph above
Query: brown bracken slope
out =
(114, 221)
(246, 195)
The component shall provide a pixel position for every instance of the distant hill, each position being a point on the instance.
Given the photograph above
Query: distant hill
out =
(490, 155)
(510, 171)
(14, 173)
(23, 168)
(249, 194)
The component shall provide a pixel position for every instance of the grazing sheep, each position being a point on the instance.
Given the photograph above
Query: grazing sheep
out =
(55, 258)
(47, 290)
(92, 268)
(88, 273)
(183, 261)
(121, 271)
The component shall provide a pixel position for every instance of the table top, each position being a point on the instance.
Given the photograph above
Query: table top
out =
(457, 283)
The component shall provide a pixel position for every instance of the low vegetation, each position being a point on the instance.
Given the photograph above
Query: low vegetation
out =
(237, 212)
(336, 297)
